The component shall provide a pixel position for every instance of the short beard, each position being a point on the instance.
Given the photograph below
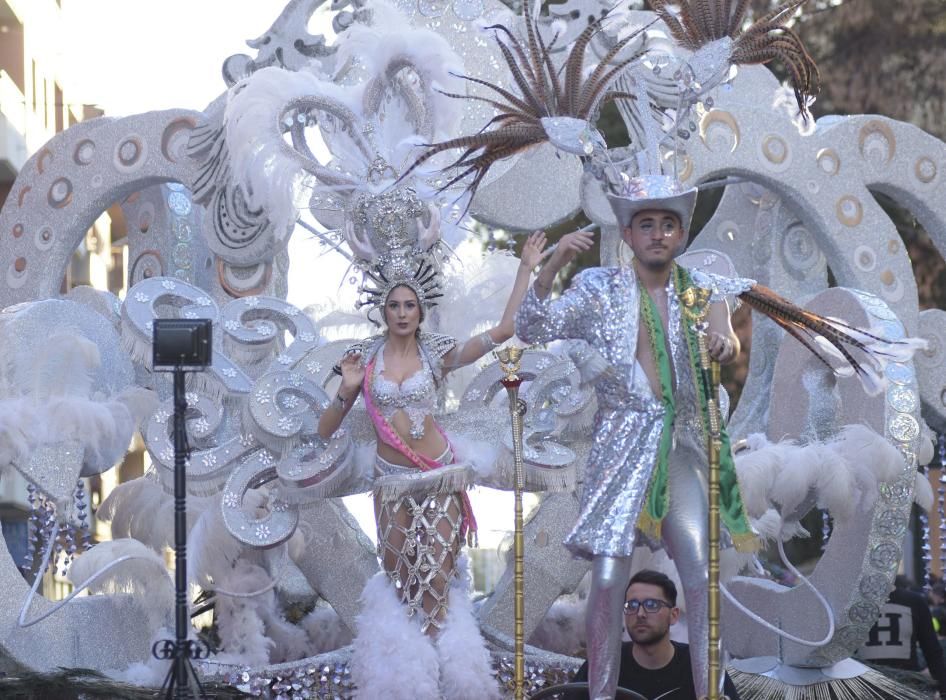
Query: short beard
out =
(656, 266)
(649, 638)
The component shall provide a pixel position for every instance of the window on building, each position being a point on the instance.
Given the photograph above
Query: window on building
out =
(11, 47)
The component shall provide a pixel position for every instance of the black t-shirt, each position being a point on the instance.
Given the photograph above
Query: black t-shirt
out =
(904, 624)
(672, 682)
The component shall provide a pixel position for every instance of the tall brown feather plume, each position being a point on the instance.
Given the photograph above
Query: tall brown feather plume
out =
(699, 22)
(539, 92)
(804, 325)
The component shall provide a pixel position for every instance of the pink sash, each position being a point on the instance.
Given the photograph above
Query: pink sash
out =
(389, 436)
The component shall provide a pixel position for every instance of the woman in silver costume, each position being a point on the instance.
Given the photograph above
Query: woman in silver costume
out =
(423, 514)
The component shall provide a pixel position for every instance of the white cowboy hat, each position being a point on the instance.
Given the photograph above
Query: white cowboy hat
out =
(659, 192)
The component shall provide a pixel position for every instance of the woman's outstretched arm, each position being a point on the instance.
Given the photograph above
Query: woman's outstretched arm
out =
(477, 346)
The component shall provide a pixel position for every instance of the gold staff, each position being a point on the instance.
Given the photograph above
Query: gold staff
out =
(509, 359)
(696, 307)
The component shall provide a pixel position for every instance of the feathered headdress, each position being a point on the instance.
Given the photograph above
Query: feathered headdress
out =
(394, 238)
(384, 99)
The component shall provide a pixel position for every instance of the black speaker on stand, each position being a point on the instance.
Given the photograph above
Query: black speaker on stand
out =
(181, 346)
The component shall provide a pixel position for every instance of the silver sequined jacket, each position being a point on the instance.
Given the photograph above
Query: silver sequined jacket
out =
(602, 308)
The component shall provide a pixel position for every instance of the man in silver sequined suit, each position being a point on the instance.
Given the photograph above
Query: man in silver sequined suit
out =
(602, 308)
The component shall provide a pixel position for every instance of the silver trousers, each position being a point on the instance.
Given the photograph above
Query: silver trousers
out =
(684, 533)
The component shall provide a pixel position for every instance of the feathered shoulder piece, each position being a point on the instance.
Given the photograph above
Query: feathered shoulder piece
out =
(844, 349)
(833, 341)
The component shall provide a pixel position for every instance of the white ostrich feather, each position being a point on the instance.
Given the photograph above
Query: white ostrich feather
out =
(51, 386)
(391, 39)
(212, 550)
(140, 403)
(290, 642)
(149, 674)
(475, 290)
(843, 473)
(64, 366)
(271, 174)
(482, 455)
(923, 492)
(325, 629)
(143, 576)
(772, 527)
(391, 657)
(562, 630)
(17, 416)
(129, 499)
(465, 666)
(240, 625)
(757, 469)
(140, 509)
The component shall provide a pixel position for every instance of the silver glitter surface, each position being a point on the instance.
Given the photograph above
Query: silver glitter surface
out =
(552, 183)
(274, 527)
(98, 162)
(28, 327)
(54, 469)
(150, 299)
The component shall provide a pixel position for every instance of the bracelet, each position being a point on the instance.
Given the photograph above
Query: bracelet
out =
(487, 340)
(342, 401)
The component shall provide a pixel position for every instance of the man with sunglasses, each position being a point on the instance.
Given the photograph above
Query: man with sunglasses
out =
(652, 664)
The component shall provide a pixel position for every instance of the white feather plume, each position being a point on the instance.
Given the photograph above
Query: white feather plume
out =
(562, 630)
(465, 666)
(16, 439)
(325, 629)
(843, 473)
(50, 399)
(239, 622)
(391, 657)
(212, 550)
(62, 367)
(148, 674)
(271, 174)
(144, 576)
(391, 38)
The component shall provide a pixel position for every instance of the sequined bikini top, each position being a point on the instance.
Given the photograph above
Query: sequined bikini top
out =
(416, 395)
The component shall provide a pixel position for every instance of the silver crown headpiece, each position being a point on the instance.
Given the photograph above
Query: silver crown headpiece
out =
(395, 239)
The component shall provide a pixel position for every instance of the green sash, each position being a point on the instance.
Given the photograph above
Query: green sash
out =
(657, 502)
